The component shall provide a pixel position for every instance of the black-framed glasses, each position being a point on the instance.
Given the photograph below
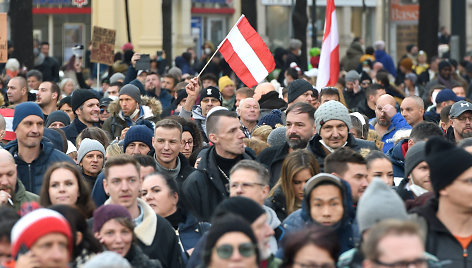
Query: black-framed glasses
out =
(244, 185)
(225, 251)
(418, 263)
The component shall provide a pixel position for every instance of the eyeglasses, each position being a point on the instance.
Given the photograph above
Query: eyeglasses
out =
(464, 118)
(103, 111)
(313, 265)
(419, 263)
(225, 251)
(189, 143)
(244, 185)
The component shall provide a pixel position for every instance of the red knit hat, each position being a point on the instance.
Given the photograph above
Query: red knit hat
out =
(37, 224)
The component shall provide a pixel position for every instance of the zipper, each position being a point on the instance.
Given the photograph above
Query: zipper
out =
(30, 179)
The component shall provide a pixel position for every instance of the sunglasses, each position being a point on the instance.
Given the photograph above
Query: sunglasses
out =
(225, 251)
(102, 111)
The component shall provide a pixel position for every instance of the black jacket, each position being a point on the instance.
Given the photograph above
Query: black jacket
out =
(185, 170)
(271, 101)
(357, 145)
(273, 157)
(364, 109)
(137, 258)
(73, 130)
(439, 240)
(353, 100)
(203, 190)
(404, 193)
(278, 204)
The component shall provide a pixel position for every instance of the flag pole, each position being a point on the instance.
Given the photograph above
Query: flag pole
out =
(218, 48)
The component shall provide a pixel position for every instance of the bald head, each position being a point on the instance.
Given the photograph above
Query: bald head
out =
(6, 157)
(385, 99)
(262, 89)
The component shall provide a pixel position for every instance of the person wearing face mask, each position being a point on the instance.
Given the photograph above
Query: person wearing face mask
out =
(213, 67)
(327, 202)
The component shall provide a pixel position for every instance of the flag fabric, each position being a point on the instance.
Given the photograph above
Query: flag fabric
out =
(246, 53)
(8, 113)
(328, 68)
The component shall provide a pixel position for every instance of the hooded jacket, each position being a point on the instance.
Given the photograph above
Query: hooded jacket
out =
(386, 60)
(302, 217)
(150, 110)
(361, 146)
(397, 157)
(31, 174)
(22, 196)
(203, 190)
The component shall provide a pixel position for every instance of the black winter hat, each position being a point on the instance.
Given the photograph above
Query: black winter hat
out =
(242, 206)
(446, 162)
(297, 88)
(82, 95)
(211, 92)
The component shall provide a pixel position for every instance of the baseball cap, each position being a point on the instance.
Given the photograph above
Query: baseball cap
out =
(446, 95)
(459, 108)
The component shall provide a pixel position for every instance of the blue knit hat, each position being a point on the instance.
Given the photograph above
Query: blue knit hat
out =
(271, 119)
(138, 133)
(23, 110)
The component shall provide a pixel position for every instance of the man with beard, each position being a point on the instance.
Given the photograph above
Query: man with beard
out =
(47, 97)
(388, 121)
(11, 188)
(248, 112)
(85, 106)
(153, 89)
(461, 121)
(300, 128)
(332, 124)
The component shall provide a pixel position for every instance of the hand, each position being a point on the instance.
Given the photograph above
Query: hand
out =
(135, 58)
(28, 260)
(123, 133)
(389, 110)
(4, 197)
(193, 88)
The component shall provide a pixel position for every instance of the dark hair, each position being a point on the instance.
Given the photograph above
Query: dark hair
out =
(292, 72)
(173, 78)
(382, 78)
(118, 84)
(322, 237)
(337, 161)
(444, 115)
(369, 50)
(120, 160)
(35, 73)
(190, 126)
(94, 133)
(44, 43)
(78, 223)
(8, 218)
(425, 130)
(84, 202)
(362, 130)
(193, 157)
(302, 108)
(55, 89)
(214, 118)
(145, 160)
(375, 155)
(209, 76)
(330, 91)
(372, 90)
(170, 182)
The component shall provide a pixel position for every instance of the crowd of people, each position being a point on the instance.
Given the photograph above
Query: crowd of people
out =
(176, 168)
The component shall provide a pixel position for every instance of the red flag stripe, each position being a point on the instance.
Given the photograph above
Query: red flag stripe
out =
(334, 66)
(329, 10)
(257, 44)
(237, 64)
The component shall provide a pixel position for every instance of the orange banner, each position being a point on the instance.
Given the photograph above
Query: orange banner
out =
(403, 12)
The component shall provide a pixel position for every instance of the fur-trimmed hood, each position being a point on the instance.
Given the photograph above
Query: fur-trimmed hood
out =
(155, 105)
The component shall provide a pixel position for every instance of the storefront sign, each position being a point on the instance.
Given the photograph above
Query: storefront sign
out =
(103, 43)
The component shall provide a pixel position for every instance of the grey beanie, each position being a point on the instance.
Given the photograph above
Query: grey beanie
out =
(107, 259)
(277, 136)
(414, 156)
(88, 145)
(297, 88)
(117, 76)
(331, 110)
(132, 91)
(379, 202)
(352, 76)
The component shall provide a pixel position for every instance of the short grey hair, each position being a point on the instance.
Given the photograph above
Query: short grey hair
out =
(294, 44)
(255, 166)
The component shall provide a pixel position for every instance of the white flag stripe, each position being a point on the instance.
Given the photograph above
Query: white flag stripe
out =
(329, 45)
(9, 121)
(334, 29)
(247, 55)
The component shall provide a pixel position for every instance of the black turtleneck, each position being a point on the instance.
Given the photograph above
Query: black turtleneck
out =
(226, 164)
(176, 218)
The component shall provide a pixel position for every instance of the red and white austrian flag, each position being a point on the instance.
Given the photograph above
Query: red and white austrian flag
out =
(328, 68)
(247, 54)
